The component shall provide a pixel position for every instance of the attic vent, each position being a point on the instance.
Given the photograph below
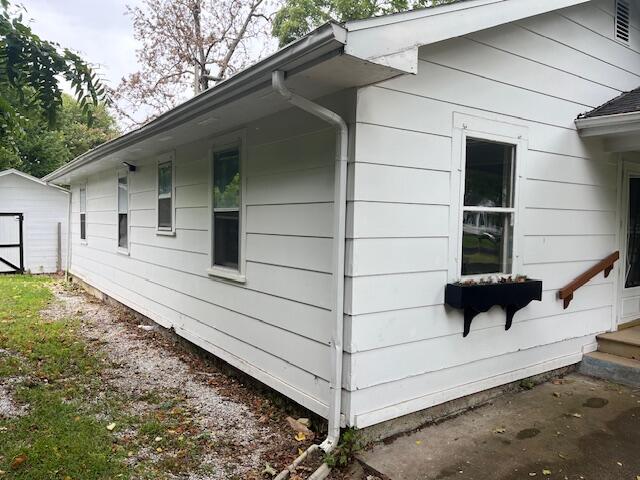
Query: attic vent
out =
(622, 20)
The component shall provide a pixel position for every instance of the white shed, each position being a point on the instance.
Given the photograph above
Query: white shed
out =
(33, 224)
(303, 219)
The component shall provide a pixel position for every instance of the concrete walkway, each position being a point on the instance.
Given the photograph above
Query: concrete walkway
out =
(576, 428)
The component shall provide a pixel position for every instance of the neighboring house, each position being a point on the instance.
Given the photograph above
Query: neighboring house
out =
(33, 224)
(234, 220)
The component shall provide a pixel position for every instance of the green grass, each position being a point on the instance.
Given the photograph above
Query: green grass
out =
(64, 434)
(56, 375)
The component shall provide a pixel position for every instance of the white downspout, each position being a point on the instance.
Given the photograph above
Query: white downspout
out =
(340, 207)
(68, 262)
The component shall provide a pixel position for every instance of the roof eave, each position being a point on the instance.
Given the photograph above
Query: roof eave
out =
(317, 44)
(604, 125)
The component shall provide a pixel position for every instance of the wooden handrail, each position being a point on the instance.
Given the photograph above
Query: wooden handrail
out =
(605, 265)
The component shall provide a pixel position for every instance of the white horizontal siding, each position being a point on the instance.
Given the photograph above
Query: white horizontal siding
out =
(277, 325)
(43, 208)
(405, 347)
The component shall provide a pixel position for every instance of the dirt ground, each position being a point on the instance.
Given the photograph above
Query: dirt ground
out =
(153, 372)
(576, 428)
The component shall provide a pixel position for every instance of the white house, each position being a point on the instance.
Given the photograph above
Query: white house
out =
(301, 219)
(33, 224)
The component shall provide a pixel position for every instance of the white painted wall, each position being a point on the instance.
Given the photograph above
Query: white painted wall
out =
(405, 348)
(277, 326)
(43, 208)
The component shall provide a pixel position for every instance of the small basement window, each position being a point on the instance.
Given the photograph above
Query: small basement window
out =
(123, 210)
(488, 208)
(622, 20)
(226, 208)
(83, 213)
(165, 196)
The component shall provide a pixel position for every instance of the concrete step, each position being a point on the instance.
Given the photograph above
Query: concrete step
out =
(611, 367)
(623, 343)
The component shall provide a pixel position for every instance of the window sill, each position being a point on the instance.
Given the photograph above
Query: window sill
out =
(122, 251)
(166, 233)
(232, 275)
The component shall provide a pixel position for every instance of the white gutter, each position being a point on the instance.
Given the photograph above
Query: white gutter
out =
(327, 40)
(339, 216)
(616, 124)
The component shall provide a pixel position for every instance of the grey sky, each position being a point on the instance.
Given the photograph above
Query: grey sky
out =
(98, 29)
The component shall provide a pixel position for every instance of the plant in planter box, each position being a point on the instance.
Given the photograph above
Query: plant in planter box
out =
(476, 296)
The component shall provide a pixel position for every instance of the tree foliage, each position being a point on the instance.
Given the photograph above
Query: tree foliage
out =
(186, 46)
(298, 17)
(39, 148)
(30, 73)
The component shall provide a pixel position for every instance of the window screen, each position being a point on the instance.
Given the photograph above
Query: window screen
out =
(83, 213)
(487, 225)
(123, 210)
(226, 208)
(165, 196)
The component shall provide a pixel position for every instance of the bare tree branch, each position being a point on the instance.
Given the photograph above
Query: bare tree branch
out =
(188, 45)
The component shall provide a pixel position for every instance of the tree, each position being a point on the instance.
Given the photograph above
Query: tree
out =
(298, 17)
(30, 72)
(189, 45)
(40, 148)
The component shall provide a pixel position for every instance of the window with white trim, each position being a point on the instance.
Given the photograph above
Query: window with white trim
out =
(123, 210)
(83, 213)
(165, 196)
(226, 227)
(488, 207)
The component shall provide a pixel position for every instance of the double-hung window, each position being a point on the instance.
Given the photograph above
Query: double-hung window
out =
(488, 207)
(226, 228)
(83, 213)
(165, 196)
(123, 210)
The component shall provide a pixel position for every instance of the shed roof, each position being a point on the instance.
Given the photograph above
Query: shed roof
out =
(26, 176)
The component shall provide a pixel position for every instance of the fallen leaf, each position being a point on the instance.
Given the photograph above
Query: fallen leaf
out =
(546, 472)
(158, 439)
(532, 474)
(18, 461)
(556, 394)
(301, 437)
(577, 415)
(564, 457)
(500, 430)
(111, 426)
(619, 464)
(159, 450)
(269, 470)
(418, 442)
(305, 421)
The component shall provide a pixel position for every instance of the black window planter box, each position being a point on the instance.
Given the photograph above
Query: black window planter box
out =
(478, 298)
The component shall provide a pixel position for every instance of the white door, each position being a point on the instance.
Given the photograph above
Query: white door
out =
(630, 248)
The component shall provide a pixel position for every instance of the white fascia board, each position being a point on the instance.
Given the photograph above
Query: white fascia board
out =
(385, 39)
(608, 125)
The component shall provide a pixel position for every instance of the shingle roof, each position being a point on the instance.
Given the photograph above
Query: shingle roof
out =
(626, 103)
